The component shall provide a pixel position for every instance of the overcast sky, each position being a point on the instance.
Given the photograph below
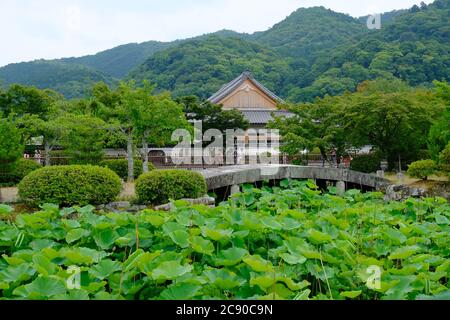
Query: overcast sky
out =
(35, 29)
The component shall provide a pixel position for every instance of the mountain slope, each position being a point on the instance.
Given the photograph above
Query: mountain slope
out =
(118, 62)
(70, 80)
(312, 53)
(414, 47)
(309, 30)
(202, 66)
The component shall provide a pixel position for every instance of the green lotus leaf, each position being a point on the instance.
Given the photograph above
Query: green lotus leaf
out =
(181, 291)
(170, 270)
(350, 294)
(104, 269)
(201, 245)
(41, 287)
(230, 257)
(257, 263)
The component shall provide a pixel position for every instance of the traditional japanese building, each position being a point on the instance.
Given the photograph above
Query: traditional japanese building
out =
(253, 99)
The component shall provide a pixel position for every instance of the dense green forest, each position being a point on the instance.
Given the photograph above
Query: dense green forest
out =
(312, 53)
(72, 80)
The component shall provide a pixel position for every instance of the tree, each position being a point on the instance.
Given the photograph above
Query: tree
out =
(154, 118)
(314, 125)
(118, 115)
(22, 100)
(211, 115)
(395, 123)
(83, 138)
(444, 160)
(422, 169)
(137, 115)
(11, 146)
(439, 134)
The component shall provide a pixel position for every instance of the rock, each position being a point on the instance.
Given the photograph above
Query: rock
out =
(120, 205)
(206, 200)
(125, 206)
(402, 192)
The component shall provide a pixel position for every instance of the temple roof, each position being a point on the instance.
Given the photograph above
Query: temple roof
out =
(234, 84)
(258, 117)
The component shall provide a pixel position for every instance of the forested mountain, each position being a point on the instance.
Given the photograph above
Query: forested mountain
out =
(72, 80)
(308, 31)
(414, 47)
(311, 53)
(118, 62)
(202, 66)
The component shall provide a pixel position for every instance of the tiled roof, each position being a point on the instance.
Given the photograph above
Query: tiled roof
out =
(263, 116)
(233, 85)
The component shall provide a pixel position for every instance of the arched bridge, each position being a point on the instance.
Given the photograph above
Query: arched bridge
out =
(235, 176)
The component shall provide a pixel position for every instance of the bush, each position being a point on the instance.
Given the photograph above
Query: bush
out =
(368, 163)
(120, 166)
(70, 185)
(161, 186)
(422, 169)
(22, 168)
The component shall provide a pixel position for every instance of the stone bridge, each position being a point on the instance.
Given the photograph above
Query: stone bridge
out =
(235, 176)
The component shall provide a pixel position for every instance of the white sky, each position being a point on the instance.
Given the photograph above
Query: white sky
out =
(35, 29)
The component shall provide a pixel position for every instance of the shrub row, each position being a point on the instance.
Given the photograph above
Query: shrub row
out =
(120, 166)
(70, 185)
(161, 186)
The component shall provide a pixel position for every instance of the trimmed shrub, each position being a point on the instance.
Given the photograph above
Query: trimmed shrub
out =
(422, 169)
(70, 185)
(161, 186)
(120, 166)
(22, 168)
(367, 163)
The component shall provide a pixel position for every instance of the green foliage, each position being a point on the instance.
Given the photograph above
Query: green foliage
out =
(201, 66)
(70, 185)
(161, 186)
(83, 139)
(119, 61)
(444, 160)
(422, 169)
(11, 146)
(368, 163)
(22, 168)
(312, 53)
(440, 132)
(212, 116)
(120, 166)
(68, 79)
(293, 243)
(21, 100)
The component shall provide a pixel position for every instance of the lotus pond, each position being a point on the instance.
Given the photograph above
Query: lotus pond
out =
(287, 242)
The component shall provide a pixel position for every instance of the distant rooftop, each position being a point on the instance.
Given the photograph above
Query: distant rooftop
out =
(234, 84)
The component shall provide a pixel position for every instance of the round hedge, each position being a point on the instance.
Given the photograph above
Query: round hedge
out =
(22, 168)
(161, 186)
(422, 169)
(120, 166)
(70, 185)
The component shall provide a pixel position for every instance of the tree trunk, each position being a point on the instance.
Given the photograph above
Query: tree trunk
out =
(47, 154)
(130, 158)
(145, 153)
